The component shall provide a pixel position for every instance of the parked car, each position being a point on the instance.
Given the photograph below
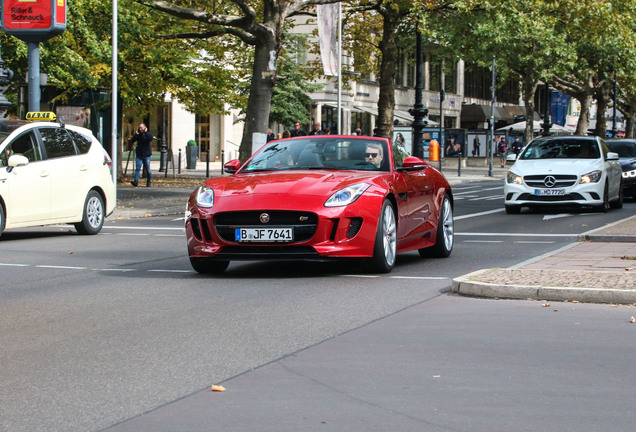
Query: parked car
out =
(626, 149)
(320, 198)
(564, 170)
(53, 174)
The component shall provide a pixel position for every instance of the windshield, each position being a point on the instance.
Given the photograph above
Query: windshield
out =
(624, 149)
(336, 153)
(562, 149)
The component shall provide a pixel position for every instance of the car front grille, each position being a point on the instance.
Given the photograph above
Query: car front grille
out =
(555, 180)
(303, 223)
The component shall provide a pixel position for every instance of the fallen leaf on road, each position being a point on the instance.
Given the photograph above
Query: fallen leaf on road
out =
(217, 388)
(546, 305)
(632, 320)
(70, 253)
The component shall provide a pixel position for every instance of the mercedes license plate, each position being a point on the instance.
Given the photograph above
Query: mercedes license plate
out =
(264, 234)
(549, 192)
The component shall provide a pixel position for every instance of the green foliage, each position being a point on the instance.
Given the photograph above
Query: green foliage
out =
(290, 97)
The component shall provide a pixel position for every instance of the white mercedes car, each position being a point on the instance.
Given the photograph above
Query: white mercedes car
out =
(53, 174)
(563, 171)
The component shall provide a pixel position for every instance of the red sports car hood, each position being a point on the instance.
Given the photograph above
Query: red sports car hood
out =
(308, 183)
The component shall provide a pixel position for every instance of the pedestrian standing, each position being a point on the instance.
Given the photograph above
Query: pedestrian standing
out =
(143, 153)
(317, 130)
(298, 131)
(502, 148)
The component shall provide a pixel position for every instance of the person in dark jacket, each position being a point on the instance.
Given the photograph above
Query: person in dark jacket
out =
(143, 153)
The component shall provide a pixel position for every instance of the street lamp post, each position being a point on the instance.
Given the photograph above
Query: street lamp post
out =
(546, 117)
(418, 111)
(614, 128)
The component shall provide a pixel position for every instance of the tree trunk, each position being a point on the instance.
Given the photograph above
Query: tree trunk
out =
(585, 98)
(386, 99)
(261, 87)
(529, 89)
(629, 122)
(602, 102)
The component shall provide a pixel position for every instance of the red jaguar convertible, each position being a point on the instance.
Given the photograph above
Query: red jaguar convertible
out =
(321, 198)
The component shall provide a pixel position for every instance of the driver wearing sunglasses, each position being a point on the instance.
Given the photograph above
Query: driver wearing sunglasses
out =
(373, 154)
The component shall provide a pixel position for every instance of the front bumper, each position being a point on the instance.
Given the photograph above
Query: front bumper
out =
(580, 194)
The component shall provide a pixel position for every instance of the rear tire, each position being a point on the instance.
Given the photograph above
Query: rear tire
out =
(93, 216)
(206, 266)
(385, 248)
(445, 233)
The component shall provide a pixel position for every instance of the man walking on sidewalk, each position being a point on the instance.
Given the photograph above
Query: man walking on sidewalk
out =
(143, 153)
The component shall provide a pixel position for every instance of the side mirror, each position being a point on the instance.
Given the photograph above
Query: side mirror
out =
(232, 166)
(612, 156)
(17, 160)
(412, 163)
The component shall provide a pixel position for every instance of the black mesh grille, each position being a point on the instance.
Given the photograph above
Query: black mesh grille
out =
(550, 198)
(354, 227)
(303, 223)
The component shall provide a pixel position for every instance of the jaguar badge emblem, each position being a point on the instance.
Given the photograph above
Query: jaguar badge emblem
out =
(264, 218)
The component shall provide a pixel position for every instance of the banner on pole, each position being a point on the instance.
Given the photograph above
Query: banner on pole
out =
(328, 35)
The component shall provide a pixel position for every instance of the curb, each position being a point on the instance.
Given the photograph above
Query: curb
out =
(466, 285)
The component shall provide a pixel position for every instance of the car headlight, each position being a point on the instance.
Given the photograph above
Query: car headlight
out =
(513, 178)
(205, 196)
(346, 195)
(592, 177)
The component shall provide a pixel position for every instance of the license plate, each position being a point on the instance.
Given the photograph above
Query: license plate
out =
(549, 192)
(264, 234)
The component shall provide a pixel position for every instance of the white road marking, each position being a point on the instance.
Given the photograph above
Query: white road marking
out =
(556, 216)
(484, 213)
(514, 234)
(14, 265)
(533, 242)
(62, 267)
(169, 271)
(483, 241)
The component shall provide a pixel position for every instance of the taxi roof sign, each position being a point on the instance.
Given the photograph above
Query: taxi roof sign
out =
(41, 116)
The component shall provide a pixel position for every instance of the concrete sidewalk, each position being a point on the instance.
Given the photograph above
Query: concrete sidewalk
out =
(598, 268)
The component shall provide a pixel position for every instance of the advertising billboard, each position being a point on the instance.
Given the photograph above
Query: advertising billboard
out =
(34, 20)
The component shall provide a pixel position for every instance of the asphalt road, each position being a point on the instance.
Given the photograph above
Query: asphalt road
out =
(97, 331)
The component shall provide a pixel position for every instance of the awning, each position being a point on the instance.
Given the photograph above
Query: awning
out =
(344, 107)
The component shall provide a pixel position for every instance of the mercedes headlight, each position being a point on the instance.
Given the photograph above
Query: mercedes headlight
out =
(346, 195)
(592, 177)
(513, 178)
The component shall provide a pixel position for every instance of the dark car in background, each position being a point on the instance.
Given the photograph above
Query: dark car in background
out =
(626, 149)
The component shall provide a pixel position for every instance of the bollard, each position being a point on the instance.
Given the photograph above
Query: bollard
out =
(179, 164)
(207, 164)
(459, 164)
(222, 161)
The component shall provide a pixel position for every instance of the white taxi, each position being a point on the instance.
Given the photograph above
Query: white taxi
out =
(51, 173)
(564, 170)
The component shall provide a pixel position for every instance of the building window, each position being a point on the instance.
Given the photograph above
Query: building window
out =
(202, 133)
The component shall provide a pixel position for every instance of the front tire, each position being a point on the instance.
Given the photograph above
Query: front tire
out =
(2, 219)
(206, 266)
(385, 248)
(445, 233)
(93, 216)
(604, 208)
(618, 203)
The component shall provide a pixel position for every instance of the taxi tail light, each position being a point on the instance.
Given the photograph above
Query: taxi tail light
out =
(107, 160)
